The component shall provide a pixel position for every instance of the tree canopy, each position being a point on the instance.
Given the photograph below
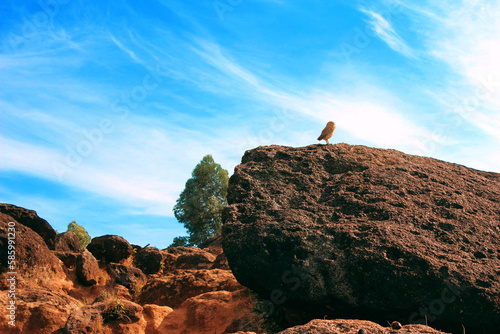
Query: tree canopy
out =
(199, 206)
(80, 232)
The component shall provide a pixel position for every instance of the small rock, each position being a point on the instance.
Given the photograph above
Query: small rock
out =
(396, 325)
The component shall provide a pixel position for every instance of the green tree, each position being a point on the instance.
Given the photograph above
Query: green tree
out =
(80, 232)
(200, 204)
(180, 241)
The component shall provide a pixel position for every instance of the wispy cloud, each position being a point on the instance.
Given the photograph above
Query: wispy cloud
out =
(465, 36)
(127, 50)
(220, 100)
(355, 114)
(385, 31)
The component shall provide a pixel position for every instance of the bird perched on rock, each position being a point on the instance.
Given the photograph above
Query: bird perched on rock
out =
(327, 132)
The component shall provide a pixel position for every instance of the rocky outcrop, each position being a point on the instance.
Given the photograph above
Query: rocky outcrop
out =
(149, 260)
(87, 268)
(356, 327)
(29, 218)
(173, 290)
(38, 311)
(67, 242)
(211, 312)
(87, 296)
(31, 252)
(110, 248)
(352, 231)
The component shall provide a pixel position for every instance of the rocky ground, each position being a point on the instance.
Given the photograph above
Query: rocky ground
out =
(114, 287)
(315, 237)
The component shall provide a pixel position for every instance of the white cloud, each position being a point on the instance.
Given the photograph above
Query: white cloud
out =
(385, 31)
(145, 162)
(465, 35)
(126, 50)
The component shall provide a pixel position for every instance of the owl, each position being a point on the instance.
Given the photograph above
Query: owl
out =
(327, 132)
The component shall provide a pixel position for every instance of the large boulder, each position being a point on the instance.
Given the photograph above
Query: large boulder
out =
(110, 248)
(343, 230)
(173, 290)
(26, 248)
(29, 218)
(67, 242)
(87, 268)
(149, 260)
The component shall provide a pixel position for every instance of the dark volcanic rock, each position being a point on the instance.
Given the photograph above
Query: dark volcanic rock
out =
(31, 252)
(87, 268)
(127, 276)
(110, 248)
(85, 320)
(30, 219)
(68, 258)
(343, 230)
(67, 242)
(148, 260)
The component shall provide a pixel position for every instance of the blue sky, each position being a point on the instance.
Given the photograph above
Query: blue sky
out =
(106, 107)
